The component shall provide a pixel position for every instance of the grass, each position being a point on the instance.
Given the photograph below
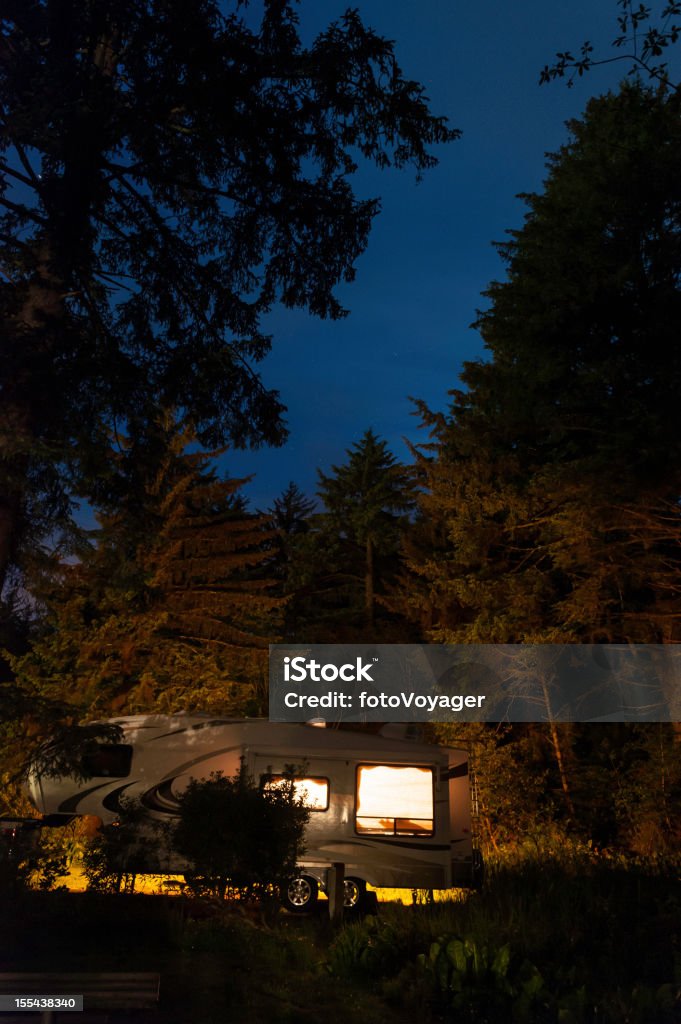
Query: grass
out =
(545, 941)
(217, 962)
(580, 943)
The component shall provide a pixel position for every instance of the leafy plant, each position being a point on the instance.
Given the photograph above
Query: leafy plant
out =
(238, 836)
(119, 851)
(483, 978)
(34, 857)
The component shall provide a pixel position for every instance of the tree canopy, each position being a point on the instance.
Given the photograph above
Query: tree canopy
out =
(557, 472)
(367, 500)
(168, 172)
(643, 36)
(173, 616)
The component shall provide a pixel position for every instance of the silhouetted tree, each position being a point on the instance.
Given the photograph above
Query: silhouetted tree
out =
(367, 500)
(557, 473)
(290, 515)
(643, 35)
(168, 172)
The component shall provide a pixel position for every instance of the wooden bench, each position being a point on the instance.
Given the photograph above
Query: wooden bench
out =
(115, 990)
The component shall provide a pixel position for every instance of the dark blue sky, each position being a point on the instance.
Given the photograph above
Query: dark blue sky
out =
(430, 255)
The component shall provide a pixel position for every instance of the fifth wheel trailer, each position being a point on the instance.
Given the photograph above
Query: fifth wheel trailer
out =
(396, 813)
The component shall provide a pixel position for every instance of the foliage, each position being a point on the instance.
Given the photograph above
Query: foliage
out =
(350, 554)
(554, 479)
(484, 981)
(642, 41)
(291, 516)
(375, 947)
(623, 782)
(117, 852)
(238, 836)
(169, 608)
(17, 852)
(169, 172)
(37, 857)
(575, 940)
(211, 578)
(291, 512)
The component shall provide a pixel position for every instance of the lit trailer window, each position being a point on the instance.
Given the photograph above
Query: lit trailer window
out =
(394, 800)
(313, 792)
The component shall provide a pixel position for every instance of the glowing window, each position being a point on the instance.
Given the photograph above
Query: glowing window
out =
(314, 793)
(394, 800)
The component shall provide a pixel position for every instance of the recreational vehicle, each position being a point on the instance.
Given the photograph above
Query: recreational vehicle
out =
(394, 812)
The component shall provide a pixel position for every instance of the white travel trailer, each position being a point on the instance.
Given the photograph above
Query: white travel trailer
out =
(394, 812)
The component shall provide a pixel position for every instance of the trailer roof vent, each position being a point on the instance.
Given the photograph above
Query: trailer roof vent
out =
(401, 731)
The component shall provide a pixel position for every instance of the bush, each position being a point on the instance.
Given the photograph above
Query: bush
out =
(114, 856)
(238, 837)
(35, 857)
(577, 940)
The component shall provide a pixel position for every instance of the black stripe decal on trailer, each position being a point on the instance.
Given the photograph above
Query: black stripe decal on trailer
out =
(181, 769)
(161, 798)
(70, 806)
(112, 801)
(383, 842)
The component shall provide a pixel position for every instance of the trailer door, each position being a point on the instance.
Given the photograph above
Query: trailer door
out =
(460, 819)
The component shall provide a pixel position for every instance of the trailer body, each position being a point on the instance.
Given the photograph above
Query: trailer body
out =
(395, 813)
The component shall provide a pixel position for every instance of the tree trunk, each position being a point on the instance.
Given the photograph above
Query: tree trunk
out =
(34, 326)
(562, 772)
(369, 584)
(59, 253)
(556, 744)
(10, 506)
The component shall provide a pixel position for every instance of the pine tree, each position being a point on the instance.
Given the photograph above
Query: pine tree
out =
(552, 484)
(169, 172)
(291, 517)
(176, 617)
(558, 470)
(211, 579)
(367, 500)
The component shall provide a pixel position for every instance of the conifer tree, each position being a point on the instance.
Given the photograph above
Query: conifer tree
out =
(552, 484)
(291, 516)
(367, 500)
(168, 172)
(178, 617)
(558, 470)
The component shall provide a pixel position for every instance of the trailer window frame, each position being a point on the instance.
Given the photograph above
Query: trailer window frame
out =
(270, 777)
(110, 756)
(396, 831)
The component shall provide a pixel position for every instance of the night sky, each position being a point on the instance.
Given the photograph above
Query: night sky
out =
(430, 254)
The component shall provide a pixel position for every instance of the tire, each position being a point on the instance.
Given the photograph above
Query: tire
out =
(354, 892)
(301, 893)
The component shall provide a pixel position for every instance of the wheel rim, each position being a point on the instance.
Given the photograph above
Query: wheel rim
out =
(299, 892)
(351, 893)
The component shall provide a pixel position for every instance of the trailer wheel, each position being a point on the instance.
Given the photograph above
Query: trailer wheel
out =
(354, 891)
(301, 894)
